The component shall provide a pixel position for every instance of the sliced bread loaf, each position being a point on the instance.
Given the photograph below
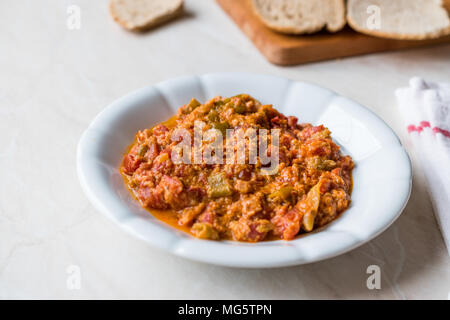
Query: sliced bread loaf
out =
(399, 19)
(301, 16)
(140, 15)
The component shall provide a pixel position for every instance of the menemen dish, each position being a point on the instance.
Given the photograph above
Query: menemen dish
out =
(234, 169)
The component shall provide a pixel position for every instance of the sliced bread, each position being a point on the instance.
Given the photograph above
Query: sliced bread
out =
(399, 19)
(301, 16)
(140, 15)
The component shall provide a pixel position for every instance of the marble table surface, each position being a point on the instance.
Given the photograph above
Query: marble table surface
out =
(53, 81)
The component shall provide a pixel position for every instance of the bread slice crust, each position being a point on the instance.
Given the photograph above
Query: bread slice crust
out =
(142, 15)
(301, 16)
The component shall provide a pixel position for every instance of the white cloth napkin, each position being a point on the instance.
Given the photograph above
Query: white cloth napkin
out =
(425, 107)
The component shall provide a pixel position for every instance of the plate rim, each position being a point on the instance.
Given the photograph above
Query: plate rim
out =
(182, 245)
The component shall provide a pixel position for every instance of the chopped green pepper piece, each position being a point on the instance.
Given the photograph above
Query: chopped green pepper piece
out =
(240, 108)
(191, 106)
(283, 194)
(143, 150)
(222, 127)
(205, 231)
(310, 206)
(213, 116)
(194, 103)
(218, 186)
(326, 165)
(220, 103)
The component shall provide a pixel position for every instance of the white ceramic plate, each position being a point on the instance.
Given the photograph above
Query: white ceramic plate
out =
(382, 176)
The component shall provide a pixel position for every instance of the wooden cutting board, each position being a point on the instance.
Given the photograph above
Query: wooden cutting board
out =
(290, 50)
